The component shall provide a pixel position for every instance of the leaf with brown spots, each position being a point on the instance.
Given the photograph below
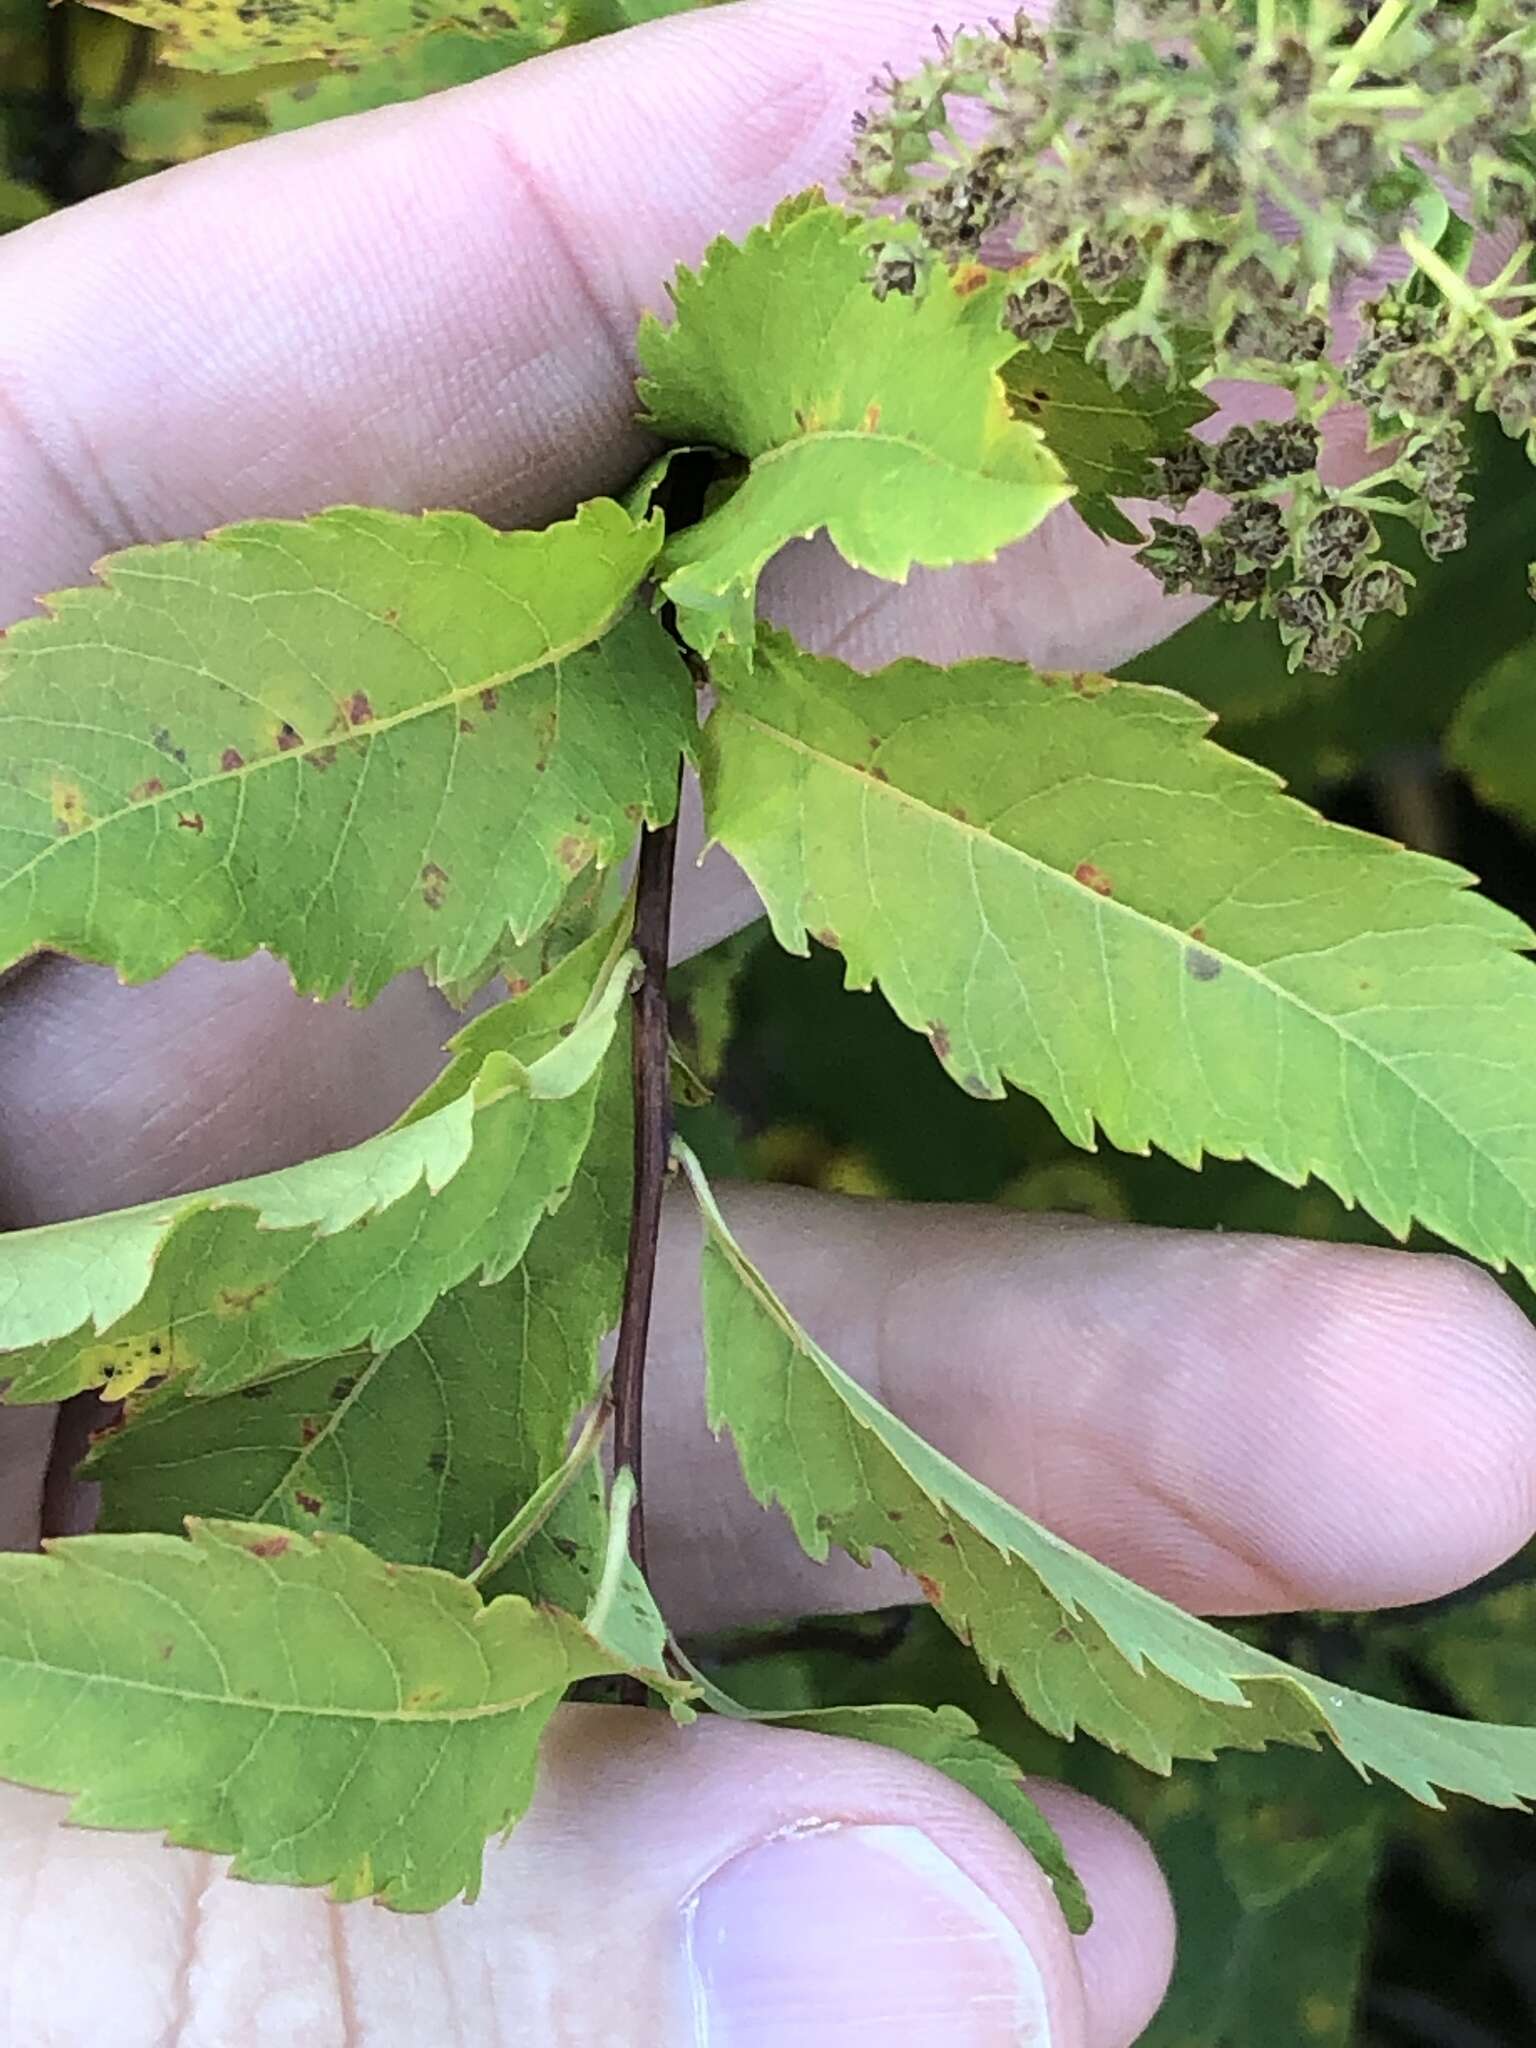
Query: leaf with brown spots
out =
(228, 1287)
(782, 355)
(1081, 1647)
(369, 1733)
(192, 763)
(240, 35)
(1030, 871)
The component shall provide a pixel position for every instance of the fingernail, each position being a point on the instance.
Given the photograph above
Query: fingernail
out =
(857, 1935)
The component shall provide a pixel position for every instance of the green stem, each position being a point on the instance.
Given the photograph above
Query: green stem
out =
(541, 1504)
(1382, 26)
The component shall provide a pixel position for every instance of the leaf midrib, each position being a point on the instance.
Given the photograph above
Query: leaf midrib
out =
(891, 792)
(362, 734)
(228, 1703)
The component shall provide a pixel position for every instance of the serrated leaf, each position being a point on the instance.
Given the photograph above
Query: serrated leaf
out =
(321, 1716)
(1064, 884)
(1492, 739)
(236, 35)
(365, 742)
(883, 422)
(423, 1451)
(1080, 1646)
(229, 1287)
(1103, 438)
(948, 1740)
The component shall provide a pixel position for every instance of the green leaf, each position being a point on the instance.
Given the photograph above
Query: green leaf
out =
(1080, 1646)
(1484, 1651)
(423, 1451)
(1064, 884)
(229, 1287)
(236, 35)
(885, 423)
(434, 63)
(947, 1740)
(366, 742)
(1492, 739)
(1272, 1875)
(1103, 438)
(321, 1716)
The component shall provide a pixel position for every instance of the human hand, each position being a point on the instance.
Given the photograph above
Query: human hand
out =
(433, 306)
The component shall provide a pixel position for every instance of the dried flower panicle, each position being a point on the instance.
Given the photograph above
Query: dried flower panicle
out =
(1195, 183)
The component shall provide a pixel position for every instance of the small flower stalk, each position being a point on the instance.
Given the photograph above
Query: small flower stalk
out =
(1190, 189)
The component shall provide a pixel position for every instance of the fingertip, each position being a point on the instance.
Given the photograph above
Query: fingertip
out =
(1127, 1956)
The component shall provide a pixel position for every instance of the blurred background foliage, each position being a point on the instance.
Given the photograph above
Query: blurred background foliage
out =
(1316, 1911)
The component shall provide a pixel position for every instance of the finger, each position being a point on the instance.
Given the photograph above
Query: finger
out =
(429, 305)
(1243, 1424)
(745, 1887)
(1240, 1423)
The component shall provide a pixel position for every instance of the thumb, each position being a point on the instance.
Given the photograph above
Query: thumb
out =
(725, 1885)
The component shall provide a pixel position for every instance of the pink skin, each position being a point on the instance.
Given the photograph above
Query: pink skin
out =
(433, 306)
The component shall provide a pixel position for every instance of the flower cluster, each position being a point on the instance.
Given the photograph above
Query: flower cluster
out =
(1193, 186)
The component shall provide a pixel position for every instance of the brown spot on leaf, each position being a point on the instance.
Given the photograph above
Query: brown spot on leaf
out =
(69, 812)
(932, 1591)
(392, 616)
(973, 1084)
(343, 1386)
(566, 1546)
(878, 773)
(143, 791)
(311, 1503)
(1087, 684)
(971, 278)
(321, 759)
(828, 937)
(948, 1539)
(309, 1428)
(518, 984)
(938, 1038)
(488, 701)
(231, 759)
(190, 821)
(166, 1652)
(1200, 965)
(1197, 932)
(872, 420)
(1093, 878)
(287, 738)
(574, 852)
(960, 814)
(434, 885)
(238, 1301)
(255, 1393)
(359, 708)
(437, 1461)
(270, 1546)
(466, 726)
(894, 1515)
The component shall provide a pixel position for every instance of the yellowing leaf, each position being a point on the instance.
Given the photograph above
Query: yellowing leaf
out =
(363, 741)
(321, 1716)
(884, 423)
(423, 1451)
(228, 1287)
(1080, 1646)
(235, 35)
(1064, 884)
